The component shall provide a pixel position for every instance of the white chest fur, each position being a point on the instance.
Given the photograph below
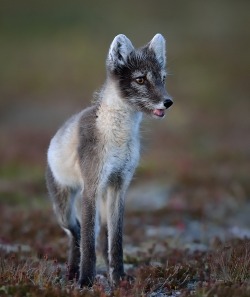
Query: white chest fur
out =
(118, 128)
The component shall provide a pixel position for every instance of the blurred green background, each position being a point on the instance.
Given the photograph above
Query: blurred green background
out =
(52, 58)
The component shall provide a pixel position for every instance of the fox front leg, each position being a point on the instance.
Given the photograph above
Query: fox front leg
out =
(87, 245)
(115, 207)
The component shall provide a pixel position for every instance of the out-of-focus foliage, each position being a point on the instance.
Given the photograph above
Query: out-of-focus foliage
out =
(52, 58)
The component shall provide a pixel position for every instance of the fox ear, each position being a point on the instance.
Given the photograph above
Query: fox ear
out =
(119, 50)
(158, 45)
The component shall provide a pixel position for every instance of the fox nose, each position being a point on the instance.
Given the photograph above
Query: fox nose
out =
(167, 103)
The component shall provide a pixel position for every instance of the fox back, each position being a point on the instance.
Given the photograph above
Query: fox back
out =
(93, 156)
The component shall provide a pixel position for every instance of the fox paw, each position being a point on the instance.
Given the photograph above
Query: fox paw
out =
(85, 282)
(73, 274)
(117, 279)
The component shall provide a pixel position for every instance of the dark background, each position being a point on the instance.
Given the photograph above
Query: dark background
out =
(52, 58)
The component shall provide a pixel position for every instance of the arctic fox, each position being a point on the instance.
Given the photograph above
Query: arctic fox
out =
(93, 156)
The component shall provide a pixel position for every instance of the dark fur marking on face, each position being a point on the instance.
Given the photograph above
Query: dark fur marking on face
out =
(143, 61)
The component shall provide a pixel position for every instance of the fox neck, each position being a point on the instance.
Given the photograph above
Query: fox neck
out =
(115, 118)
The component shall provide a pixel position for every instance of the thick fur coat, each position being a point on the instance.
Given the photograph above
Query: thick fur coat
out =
(93, 156)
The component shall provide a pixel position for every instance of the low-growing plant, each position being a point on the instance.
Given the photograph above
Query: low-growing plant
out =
(232, 262)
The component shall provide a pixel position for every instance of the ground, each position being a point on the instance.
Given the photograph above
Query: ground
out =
(186, 239)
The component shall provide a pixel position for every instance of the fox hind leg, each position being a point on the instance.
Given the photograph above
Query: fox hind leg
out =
(63, 204)
(74, 252)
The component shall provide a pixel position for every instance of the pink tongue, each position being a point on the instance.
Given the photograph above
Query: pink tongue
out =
(159, 112)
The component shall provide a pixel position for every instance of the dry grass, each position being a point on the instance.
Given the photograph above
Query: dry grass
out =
(32, 271)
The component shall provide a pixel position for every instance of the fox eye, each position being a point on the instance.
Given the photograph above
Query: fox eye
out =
(140, 80)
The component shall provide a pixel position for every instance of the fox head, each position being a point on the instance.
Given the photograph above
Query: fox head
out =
(140, 74)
